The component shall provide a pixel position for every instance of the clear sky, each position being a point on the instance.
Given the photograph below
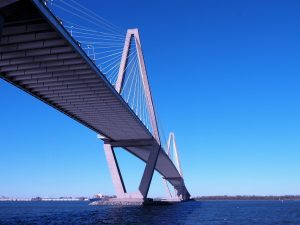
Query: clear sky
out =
(225, 77)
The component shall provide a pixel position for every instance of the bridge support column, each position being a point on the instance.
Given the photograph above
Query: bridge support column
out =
(114, 171)
(148, 172)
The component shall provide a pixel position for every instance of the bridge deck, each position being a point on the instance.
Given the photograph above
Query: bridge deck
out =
(39, 56)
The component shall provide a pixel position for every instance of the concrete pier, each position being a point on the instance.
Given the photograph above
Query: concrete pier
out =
(137, 202)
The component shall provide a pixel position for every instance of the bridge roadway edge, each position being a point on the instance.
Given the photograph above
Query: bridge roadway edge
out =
(48, 15)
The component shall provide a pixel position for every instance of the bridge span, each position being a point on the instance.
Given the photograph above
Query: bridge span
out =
(39, 56)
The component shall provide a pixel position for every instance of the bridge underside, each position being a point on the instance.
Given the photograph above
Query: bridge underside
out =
(40, 57)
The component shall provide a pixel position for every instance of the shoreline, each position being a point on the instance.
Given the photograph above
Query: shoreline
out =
(196, 198)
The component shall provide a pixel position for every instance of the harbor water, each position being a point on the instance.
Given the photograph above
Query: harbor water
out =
(206, 212)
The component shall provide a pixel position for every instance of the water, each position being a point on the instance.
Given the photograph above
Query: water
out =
(214, 212)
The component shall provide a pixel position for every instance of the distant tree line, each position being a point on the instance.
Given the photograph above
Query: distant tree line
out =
(247, 197)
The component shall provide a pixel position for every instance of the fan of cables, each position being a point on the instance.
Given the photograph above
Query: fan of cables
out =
(103, 42)
(100, 39)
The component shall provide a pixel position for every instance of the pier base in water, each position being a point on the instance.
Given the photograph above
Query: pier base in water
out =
(134, 202)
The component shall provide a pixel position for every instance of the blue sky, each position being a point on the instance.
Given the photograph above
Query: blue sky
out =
(225, 79)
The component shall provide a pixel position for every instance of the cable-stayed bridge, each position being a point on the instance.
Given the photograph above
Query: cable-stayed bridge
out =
(97, 77)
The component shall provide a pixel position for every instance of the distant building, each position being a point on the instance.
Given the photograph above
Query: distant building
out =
(37, 199)
(98, 196)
